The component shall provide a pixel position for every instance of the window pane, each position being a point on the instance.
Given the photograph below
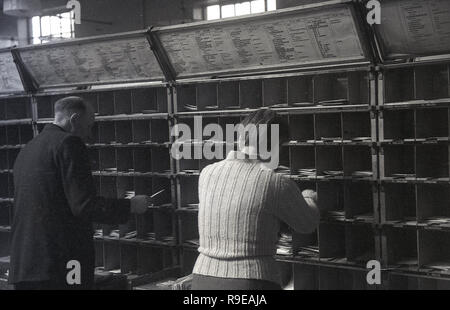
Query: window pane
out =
(228, 11)
(65, 24)
(45, 25)
(213, 12)
(242, 8)
(66, 15)
(271, 5)
(55, 26)
(72, 20)
(36, 26)
(257, 6)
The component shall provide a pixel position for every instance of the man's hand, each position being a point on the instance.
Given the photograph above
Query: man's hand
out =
(139, 204)
(310, 197)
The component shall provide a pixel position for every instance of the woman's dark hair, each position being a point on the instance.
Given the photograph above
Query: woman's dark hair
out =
(268, 117)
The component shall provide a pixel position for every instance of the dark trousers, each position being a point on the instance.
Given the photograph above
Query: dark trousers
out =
(201, 282)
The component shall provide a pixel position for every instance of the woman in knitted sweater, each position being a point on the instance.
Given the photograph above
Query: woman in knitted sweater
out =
(241, 204)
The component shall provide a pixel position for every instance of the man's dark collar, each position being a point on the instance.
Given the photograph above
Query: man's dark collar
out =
(54, 127)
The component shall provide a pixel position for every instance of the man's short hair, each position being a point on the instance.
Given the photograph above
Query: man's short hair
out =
(70, 105)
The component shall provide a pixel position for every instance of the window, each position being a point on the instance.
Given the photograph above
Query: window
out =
(50, 28)
(239, 8)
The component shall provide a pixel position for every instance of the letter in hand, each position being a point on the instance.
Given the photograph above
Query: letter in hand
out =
(139, 204)
(310, 197)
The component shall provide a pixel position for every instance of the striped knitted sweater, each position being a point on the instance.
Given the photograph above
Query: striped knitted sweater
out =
(240, 206)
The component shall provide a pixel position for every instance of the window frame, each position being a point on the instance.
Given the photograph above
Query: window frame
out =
(53, 36)
(224, 3)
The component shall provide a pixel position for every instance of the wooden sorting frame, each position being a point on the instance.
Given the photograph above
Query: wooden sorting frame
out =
(130, 138)
(309, 124)
(328, 106)
(300, 11)
(414, 159)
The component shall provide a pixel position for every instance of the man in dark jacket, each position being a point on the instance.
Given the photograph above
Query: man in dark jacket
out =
(55, 204)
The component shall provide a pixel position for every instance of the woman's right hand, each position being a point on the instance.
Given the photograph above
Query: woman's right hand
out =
(310, 197)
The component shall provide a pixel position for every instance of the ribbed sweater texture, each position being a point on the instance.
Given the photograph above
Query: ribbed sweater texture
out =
(241, 204)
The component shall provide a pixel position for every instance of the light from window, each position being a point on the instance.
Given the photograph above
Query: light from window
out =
(45, 26)
(36, 29)
(243, 8)
(239, 9)
(228, 11)
(271, 5)
(213, 12)
(257, 6)
(49, 28)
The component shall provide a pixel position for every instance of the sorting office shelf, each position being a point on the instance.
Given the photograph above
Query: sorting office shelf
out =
(128, 258)
(6, 186)
(421, 162)
(400, 247)
(15, 108)
(347, 243)
(399, 85)
(331, 150)
(309, 276)
(431, 82)
(402, 281)
(5, 216)
(188, 259)
(397, 125)
(130, 161)
(328, 158)
(115, 102)
(418, 125)
(305, 245)
(188, 228)
(187, 188)
(301, 127)
(330, 197)
(433, 201)
(434, 250)
(303, 157)
(122, 133)
(149, 259)
(98, 250)
(306, 277)
(344, 88)
(345, 279)
(432, 123)
(129, 155)
(432, 161)
(361, 201)
(4, 243)
(46, 106)
(360, 243)
(332, 241)
(397, 161)
(428, 82)
(398, 202)
(275, 92)
(164, 225)
(111, 252)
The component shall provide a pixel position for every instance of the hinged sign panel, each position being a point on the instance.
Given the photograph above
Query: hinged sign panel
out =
(10, 81)
(311, 34)
(414, 28)
(120, 58)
